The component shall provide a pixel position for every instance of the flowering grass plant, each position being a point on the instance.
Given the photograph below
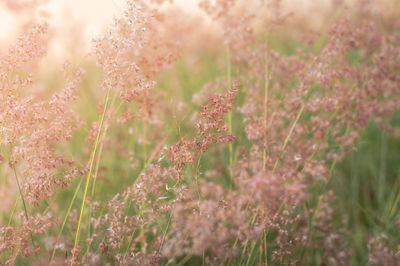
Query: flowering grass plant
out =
(260, 141)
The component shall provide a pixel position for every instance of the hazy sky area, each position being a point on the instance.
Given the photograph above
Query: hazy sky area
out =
(75, 22)
(86, 17)
(90, 17)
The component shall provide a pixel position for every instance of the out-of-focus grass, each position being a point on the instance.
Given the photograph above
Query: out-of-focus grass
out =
(367, 182)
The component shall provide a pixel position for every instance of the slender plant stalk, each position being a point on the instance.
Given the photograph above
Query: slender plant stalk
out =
(266, 94)
(196, 177)
(266, 246)
(165, 233)
(184, 260)
(94, 185)
(101, 149)
(382, 170)
(229, 76)
(13, 211)
(394, 207)
(23, 200)
(65, 220)
(289, 135)
(90, 173)
(129, 244)
(144, 128)
(144, 141)
(267, 81)
(96, 171)
(74, 197)
(95, 179)
(20, 193)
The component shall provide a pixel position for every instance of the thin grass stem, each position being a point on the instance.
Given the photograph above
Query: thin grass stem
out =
(76, 242)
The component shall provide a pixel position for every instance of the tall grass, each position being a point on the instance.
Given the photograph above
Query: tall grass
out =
(263, 146)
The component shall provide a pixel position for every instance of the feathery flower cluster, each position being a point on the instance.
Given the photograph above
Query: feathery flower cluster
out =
(246, 179)
(32, 127)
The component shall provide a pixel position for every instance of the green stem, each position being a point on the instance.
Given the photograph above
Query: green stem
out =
(165, 233)
(96, 171)
(65, 220)
(229, 76)
(90, 174)
(20, 193)
(289, 135)
(13, 211)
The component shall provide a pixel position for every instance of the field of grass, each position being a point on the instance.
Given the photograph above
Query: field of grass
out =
(255, 141)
